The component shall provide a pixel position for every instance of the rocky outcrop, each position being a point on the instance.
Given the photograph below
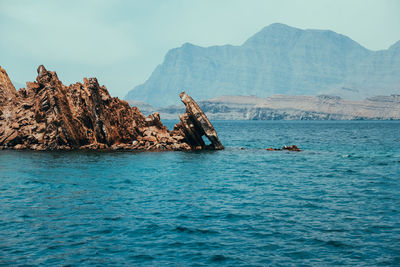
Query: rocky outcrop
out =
(47, 115)
(194, 125)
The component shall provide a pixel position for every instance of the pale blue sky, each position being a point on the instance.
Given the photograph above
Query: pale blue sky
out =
(121, 42)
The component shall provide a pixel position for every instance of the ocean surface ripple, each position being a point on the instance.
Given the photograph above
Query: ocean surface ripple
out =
(335, 203)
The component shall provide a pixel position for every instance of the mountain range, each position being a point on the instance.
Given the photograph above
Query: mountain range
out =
(277, 60)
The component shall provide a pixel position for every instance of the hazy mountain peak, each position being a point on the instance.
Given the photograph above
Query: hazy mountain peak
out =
(276, 27)
(273, 32)
(188, 45)
(279, 59)
(287, 36)
(395, 46)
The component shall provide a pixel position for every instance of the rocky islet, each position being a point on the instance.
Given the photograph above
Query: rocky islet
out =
(47, 115)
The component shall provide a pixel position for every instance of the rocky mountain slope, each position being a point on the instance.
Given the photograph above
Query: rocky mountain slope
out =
(47, 115)
(283, 107)
(277, 60)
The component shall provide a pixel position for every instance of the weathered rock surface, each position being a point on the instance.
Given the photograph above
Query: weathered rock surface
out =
(194, 124)
(47, 115)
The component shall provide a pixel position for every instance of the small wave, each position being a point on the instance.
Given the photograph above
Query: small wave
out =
(382, 163)
(334, 243)
(333, 230)
(182, 216)
(218, 258)
(143, 229)
(352, 156)
(260, 234)
(103, 231)
(176, 244)
(337, 244)
(231, 216)
(142, 257)
(78, 243)
(35, 182)
(311, 205)
(298, 254)
(378, 228)
(53, 247)
(112, 218)
(153, 226)
(183, 229)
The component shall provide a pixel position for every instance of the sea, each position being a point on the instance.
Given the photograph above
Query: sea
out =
(337, 202)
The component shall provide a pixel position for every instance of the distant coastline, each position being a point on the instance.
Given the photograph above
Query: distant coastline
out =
(285, 107)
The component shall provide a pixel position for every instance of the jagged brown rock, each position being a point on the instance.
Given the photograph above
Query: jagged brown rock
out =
(291, 148)
(48, 115)
(194, 125)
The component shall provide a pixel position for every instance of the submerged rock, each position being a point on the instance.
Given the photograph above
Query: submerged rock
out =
(290, 148)
(48, 115)
(273, 149)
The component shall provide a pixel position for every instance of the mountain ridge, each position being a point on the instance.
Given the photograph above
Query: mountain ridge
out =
(279, 59)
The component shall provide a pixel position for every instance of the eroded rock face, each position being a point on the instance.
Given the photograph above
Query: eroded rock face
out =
(194, 125)
(48, 115)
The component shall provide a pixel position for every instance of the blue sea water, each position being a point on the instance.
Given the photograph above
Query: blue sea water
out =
(335, 203)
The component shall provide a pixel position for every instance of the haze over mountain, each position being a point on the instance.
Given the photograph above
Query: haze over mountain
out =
(277, 60)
